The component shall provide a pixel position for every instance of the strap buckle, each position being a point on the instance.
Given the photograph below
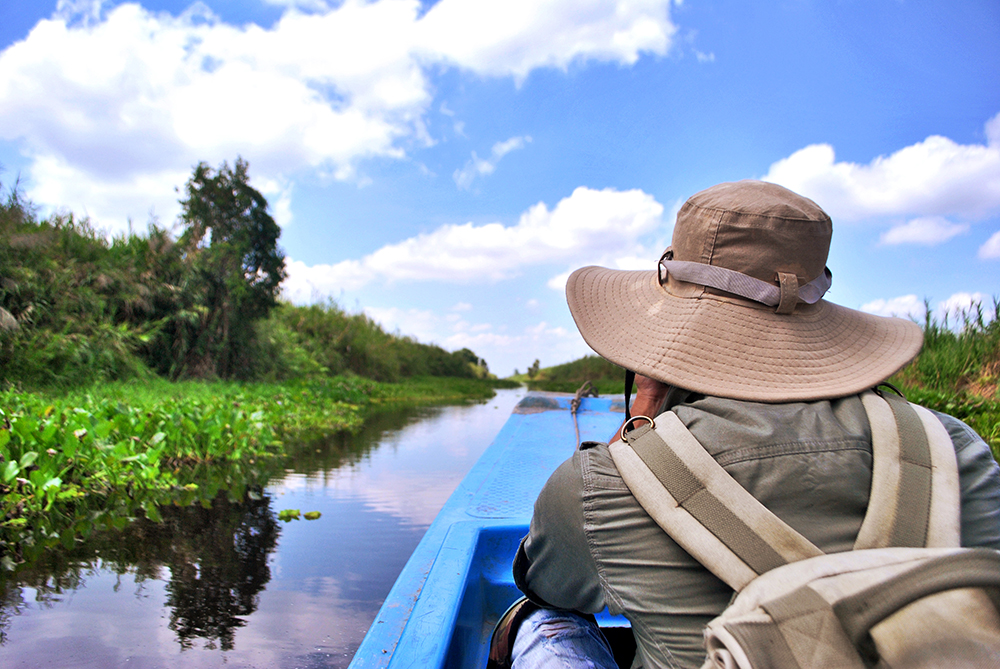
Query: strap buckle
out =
(628, 422)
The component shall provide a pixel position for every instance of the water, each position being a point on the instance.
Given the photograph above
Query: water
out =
(230, 585)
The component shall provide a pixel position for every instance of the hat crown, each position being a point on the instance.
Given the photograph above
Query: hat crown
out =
(756, 228)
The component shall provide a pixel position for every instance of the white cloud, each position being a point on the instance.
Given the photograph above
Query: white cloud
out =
(102, 101)
(480, 167)
(307, 5)
(907, 306)
(935, 177)
(959, 305)
(910, 306)
(991, 249)
(307, 284)
(421, 324)
(514, 37)
(927, 230)
(502, 349)
(588, 226)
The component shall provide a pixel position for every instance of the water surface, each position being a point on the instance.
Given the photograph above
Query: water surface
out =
(228, 584)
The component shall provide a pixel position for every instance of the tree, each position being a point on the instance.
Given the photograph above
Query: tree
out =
(533, 370)
(235, 269)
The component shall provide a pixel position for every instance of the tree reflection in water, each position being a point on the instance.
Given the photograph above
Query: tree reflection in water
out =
(216, 552)
(218, 567)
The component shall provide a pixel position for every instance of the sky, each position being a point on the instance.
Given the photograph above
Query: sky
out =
(443, 166)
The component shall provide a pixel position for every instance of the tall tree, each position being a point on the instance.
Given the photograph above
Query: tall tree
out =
(230, 245)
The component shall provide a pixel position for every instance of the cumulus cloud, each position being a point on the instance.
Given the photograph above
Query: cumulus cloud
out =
(959, 305)
(504, 350)
(927, 230)
(514, 37)
(991, 249)
(100, 101)
(906, 306)
(480, 167)
(953, 308)
(588, 226)
(935, 177)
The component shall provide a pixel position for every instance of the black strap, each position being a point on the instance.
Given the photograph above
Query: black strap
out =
(629, 380)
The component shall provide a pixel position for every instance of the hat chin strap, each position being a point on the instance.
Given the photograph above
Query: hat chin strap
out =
(746, 286)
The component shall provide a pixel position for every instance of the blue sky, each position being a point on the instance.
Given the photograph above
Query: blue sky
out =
(443, 166)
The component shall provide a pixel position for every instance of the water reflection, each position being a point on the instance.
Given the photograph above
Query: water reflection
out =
(222, 582)
(218, 561)
(215, 556)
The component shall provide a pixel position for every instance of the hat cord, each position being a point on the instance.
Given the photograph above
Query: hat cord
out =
(741, 284)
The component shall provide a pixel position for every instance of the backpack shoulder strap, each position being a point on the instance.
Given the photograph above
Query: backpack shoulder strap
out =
(701, 506)
(913, 469)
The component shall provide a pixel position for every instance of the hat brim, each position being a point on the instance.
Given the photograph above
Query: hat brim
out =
(731, 348)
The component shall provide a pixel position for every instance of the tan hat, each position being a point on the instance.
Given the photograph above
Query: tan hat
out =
(735, 309)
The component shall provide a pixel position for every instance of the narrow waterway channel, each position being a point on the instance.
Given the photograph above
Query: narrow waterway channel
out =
(228, 584)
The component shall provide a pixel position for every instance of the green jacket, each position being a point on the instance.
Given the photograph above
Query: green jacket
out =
(592, 545)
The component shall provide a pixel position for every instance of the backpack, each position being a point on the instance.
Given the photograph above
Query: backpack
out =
(907, 596)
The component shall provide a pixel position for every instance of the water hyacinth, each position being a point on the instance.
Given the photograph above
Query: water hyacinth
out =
(65, 460)
(101, 457)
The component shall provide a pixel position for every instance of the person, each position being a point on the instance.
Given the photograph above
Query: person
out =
(731, 333)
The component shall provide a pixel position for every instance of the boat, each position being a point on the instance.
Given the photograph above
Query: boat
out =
(458, 581)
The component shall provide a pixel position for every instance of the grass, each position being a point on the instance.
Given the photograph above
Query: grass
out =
(568, 377)
(958, 370)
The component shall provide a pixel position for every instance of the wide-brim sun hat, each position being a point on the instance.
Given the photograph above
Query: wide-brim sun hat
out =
(734, 306)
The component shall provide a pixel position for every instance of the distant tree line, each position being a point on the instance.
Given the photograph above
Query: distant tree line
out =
(77, 307)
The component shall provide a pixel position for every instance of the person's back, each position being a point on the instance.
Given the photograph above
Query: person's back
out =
(734, 314)
(809, 463)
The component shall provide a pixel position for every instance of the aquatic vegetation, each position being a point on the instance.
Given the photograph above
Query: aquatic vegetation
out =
(101, 457)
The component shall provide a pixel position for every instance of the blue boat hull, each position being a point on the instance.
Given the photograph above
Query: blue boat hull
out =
(457, 583)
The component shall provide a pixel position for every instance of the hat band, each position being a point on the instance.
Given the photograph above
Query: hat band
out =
(741, 284)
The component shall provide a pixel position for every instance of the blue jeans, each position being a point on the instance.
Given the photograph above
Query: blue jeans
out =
(549, 639)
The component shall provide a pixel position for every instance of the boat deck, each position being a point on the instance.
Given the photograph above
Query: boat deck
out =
(457, 583)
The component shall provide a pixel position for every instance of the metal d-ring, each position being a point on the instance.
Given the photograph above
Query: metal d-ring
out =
(652, 424)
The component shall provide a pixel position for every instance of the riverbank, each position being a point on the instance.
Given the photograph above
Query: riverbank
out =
(75, 461)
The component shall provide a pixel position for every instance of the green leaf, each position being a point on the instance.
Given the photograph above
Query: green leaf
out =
(28, 459)
(288, 515)
(311, 515)
(104, 429)
(4, 437)
(152, 512)
(49, 432)
(10, 471)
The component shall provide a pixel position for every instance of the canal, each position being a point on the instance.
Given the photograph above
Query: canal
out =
(228, 584)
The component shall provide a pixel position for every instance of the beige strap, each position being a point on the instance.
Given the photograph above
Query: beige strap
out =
(701, 488)
(944, 526)
(914, 476)
(973, 568)
(682, 527)
(914, 499)
(876, 529)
